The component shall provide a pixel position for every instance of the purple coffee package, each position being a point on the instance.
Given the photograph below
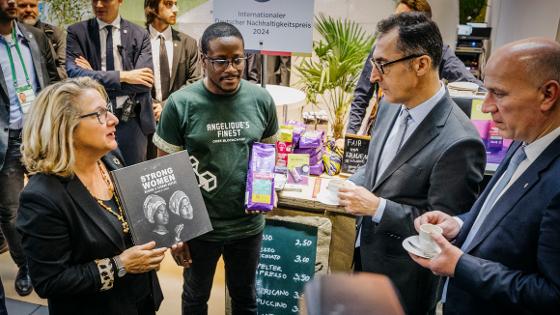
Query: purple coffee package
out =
(311, 139)
(317, 169)
(259, 192)
(299, 129)
(315, 154)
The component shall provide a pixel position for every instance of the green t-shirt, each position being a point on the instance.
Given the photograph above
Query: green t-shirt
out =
(218, 132)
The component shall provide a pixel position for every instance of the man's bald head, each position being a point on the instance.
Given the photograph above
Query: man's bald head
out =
(537, 58)
(523, 82)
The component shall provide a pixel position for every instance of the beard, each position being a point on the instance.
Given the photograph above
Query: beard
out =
(29, 20)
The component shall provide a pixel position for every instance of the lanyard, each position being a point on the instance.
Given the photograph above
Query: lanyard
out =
(13, 68)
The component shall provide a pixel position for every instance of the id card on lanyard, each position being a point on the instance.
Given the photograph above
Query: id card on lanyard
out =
(24, 92)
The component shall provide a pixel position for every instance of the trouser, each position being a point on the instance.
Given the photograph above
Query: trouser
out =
(11, 184)
(240, 258)
(3, 310)
(132, 141)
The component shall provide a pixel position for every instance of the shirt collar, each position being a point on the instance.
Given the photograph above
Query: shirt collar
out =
(154, 33)
(535, 148)
(116, 23)
(418, 113)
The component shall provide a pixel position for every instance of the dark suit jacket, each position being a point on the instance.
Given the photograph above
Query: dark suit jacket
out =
(451, 69)
(439, 167)
(512, 266)
(136, 53)
(45, 70)
(186, 62)
(63, 231)
(57, 41)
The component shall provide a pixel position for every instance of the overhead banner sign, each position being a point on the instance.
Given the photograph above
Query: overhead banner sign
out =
(273, 27)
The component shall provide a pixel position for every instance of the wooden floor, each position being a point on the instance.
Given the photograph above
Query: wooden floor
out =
(170, 278)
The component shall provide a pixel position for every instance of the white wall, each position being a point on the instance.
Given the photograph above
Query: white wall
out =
(517, 19)
(365, 12)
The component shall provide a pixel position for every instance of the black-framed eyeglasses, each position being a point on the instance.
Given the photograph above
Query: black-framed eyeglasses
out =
(101, 114)
(381, 66)
(223, 64)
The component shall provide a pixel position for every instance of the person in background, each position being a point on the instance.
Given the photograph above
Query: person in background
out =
(118, 54)
(217, 120)
(427, 155)
(28, 13)
(76, 239)
(26, 67)
(505, 255)
(450, 68)
(175, 56)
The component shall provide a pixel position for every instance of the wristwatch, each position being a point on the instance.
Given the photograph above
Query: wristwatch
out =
(121, 271)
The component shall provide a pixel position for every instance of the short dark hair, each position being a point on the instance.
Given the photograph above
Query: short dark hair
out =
(218, 30)
(418, 6)
(151, 8)
(418, 34)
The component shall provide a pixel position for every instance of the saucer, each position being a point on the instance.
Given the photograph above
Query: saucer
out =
(411, 246)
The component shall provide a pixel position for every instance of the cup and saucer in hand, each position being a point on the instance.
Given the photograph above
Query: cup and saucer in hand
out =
(423, 245)
(329, 195)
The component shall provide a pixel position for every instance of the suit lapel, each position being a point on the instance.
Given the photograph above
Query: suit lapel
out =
(516, 191)
(93, 34)
(475, 209)
(386, 122)
(35, 55)
(177, 48)
(428, 129)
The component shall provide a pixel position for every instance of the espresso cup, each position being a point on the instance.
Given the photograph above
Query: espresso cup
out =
(426, 242)
(334, 185)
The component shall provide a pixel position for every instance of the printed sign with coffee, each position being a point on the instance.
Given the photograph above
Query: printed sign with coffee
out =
(355, 152)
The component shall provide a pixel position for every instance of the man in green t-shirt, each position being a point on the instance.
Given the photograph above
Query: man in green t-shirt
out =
(217, 120)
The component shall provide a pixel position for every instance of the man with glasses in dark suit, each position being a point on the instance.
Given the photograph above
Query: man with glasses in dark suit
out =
(426, 154)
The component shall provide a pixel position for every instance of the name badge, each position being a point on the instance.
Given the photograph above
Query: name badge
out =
(26, 96)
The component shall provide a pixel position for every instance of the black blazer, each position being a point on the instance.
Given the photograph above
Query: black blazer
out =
(136, 53)
(186, 62)
(63, 231)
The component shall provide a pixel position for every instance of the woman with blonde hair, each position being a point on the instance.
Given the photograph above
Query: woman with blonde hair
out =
(74, 234)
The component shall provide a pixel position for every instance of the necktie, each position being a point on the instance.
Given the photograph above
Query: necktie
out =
(164, 72)
(109, 57)
(516, 159)
(394, 142)
(491, 200)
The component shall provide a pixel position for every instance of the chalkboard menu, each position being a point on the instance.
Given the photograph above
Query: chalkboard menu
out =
(287, 262)
(355, 152)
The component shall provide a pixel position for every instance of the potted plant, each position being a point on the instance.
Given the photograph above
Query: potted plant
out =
(67, 12)
(331, 75)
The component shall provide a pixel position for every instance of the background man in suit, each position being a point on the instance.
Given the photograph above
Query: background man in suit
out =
(28, 13)
(425, 155)
(451, 69)
(27, 66)
(506, 254)
(117, 53)
(175, 55)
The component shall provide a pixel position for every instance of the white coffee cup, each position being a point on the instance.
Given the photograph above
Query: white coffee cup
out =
(426, 242)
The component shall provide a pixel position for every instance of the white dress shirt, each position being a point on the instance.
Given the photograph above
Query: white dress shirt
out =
(116, 30)
(154, 40)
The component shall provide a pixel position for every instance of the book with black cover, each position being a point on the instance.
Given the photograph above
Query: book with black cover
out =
(162, 201)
